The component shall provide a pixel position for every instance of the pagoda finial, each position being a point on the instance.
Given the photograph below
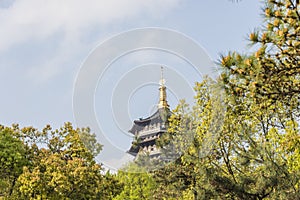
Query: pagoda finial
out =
(162, 75)
(163, 103)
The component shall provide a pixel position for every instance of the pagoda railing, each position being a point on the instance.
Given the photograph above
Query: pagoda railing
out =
(154, 152)
(152, 130)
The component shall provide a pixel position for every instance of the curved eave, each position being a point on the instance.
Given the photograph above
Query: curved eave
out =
(133, 151)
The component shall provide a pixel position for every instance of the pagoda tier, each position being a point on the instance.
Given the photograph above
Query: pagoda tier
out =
(148, 130)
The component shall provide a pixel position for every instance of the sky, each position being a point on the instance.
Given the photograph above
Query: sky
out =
(46, 45)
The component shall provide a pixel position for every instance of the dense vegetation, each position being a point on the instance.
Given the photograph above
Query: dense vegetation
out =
(243, 135)
(52, 164)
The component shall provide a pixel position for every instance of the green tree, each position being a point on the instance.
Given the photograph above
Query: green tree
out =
(247, 161)
(271, 73)
(265, 86)
(138, 183)
(66, 168)
(53, 164)
(12, 160)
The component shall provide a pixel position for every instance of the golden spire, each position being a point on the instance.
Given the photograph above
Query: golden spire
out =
(163, 103)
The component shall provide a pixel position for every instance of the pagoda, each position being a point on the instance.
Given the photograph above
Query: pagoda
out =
(147, 130)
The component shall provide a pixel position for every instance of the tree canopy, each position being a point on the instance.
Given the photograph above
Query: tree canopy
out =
(53, 164)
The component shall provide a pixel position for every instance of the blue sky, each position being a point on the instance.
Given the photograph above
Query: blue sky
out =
(43, 45)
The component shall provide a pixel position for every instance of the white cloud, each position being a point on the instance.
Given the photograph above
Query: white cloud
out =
(35, 19)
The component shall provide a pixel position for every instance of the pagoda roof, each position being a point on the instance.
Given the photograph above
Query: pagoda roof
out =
(133, 150)
(156, 117)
